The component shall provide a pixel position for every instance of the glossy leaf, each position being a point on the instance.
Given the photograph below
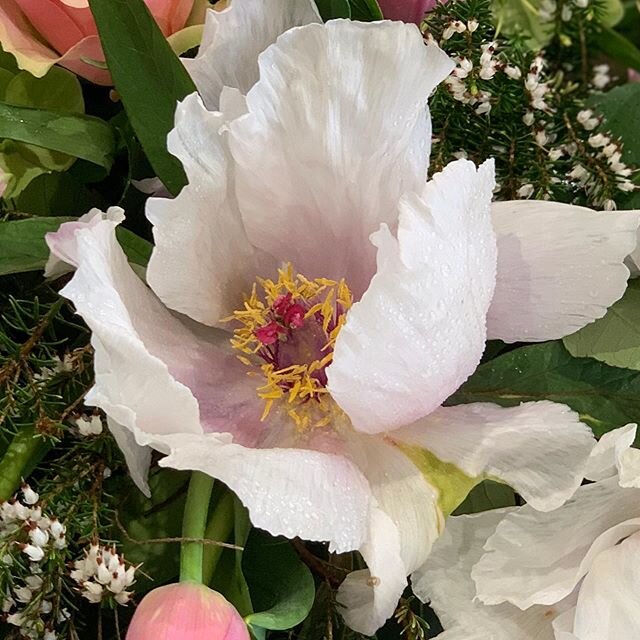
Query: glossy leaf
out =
(332, 9)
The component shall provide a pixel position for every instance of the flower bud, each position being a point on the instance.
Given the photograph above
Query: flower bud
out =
(186, 611)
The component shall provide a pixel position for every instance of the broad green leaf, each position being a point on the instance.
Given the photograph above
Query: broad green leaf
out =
(605, 397)
(365, 10)
(616, 46)
(148, 76)
(614, 339)
(332, 9)
(22, 245)
(522, 16)
(282, 587)
(487, 495)
(77, 135)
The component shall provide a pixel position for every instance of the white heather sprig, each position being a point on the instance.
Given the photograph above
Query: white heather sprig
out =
(89, 425)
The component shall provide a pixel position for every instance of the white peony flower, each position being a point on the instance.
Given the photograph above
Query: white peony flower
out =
(571, 574)
(313, 302)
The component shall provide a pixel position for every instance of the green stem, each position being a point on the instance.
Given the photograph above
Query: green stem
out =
(194, 523)
(219, 528)
(24, 453)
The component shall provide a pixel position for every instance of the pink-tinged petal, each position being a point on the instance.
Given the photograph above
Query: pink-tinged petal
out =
(419, 330)
(539, 558)
(153, 372)
(19, 38)
(607, 455)
(559, 267)
(202, 263)
(541, 449)
(186, 611)
(403, 526)
(79, 58)
(234, 38)
(52, 22)
(607, 606)
(406, 10)
(337, 130)
(290, 492)
(445, 583)
(82, 17)
(171, 15)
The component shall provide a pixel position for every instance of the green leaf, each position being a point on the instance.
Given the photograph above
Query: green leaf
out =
(58, 90)
(365, 10)
(616, 46)
(282, 587)
(79, 136)
(332, 9)
(22, 245)
(487, 495)
(522, 17)
(605, 397)
(614, 339)
(148, 76)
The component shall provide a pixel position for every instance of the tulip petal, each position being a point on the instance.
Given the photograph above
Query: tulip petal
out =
(445, 582)
(337, 131)
(235, 37)
(419, 330)
(608, 601)
(559, 267)
(202, 262)
(541, 449)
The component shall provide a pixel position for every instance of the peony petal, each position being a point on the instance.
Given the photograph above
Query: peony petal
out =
(338, 129)
(606, 455)
(290, 492)
(541, 449)
(607, 606)
(539, 558)
(138, 458)
(152, 371)
(445, 582)
(559, 268)
(419, 330)
(234, 38)
(202, 262)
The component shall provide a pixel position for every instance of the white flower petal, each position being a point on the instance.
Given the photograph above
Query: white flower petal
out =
(419, 330)
(445, 582)
(539, 558)
(138, 458)
(338, 129)
(202, 261)
(607, 606)
(234, 38)
(290, 492)
(559, 267)
(541, 449)
(606, 455)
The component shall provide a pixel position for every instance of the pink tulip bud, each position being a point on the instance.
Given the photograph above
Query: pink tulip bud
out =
(186, 611)
(407, 10)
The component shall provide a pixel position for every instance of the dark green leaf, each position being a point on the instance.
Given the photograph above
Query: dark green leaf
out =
(281, 586)
(148, 76)
(485, 496)
(614, 339)
(137, 249)
(331, 9)
(365, 10)
(77, 135)
(616, 46)
(605, 397)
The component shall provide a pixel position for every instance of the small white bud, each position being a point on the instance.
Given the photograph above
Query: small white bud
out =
(526, 190)
(39, 537)
(23, 594)
(472, 25)
(609, 205)
(528, 118)
(35, 553)
(29, 496)
(555, 154)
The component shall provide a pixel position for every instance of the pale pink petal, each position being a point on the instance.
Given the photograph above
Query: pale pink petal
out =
(290, 492)
(80, 58)
(337, 130)
(153, 372)
(541, 449)
(444, 582)
(234, 38)
(202, 263)
(607, 606)
(171, 15)
(559, 267)
(539, 558)
(419, 330)
(607, 454)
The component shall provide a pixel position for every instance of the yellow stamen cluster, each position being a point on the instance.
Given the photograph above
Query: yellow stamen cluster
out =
(324, 302)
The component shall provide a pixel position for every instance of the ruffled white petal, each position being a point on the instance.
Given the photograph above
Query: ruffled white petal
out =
(290, 492)
(559, 267)
(419, 330)
(445, 582)
(202, 262)
(539, 558)
(234, 38)
(541, 449)
(607, 606)
(137, 457)
(606, 456)
(338, 129)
